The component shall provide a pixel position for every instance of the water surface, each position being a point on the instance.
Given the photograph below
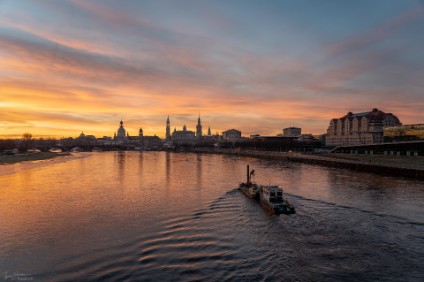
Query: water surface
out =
(157, 216)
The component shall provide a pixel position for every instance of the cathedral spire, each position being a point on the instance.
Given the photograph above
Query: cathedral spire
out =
(168, 129)
(199, 128)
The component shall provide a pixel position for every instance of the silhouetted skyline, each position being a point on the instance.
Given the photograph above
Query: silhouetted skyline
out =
(68, 66)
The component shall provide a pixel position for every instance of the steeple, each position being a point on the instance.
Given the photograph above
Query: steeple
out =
(209, 131)
(168, 129)
(199, 128)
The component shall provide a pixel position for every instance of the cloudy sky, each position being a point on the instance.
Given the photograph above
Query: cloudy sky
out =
(258, 66)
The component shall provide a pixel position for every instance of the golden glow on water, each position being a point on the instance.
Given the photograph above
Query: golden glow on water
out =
(113, 214)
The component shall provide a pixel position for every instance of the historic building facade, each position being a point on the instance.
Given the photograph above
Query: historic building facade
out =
(120, 136)
(360, 128)
(231, 135)
(184, 136)
(199, 129)
(168, 130)
(140, 142)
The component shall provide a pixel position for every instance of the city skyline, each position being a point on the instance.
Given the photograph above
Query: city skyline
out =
(73, 66)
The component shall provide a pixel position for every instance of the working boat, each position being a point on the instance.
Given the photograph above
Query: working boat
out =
(271, 198)
(249, 188)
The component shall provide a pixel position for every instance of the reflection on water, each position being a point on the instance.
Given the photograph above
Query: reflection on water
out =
(169, 216)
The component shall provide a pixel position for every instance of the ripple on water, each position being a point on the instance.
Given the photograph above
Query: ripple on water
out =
(122, 229)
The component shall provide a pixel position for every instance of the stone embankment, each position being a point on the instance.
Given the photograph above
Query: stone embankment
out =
(411, 167)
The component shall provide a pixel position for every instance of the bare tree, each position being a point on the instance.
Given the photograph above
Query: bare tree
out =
(26, 142)
(27, 136)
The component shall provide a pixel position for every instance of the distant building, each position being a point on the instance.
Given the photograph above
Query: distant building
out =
(168, 130)
(183, 136)
(408, 132)
(199, 129)
(83, 139)
(231, 135)
(253, 136)
(292, 132)
(360, 128)
(105, 140)
(307, 138)
(145, 142)
(188, 137)
(121, 133)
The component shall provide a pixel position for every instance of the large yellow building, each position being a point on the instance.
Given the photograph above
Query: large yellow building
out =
(404, 132)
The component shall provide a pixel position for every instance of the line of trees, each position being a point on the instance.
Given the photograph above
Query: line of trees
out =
(25, 143)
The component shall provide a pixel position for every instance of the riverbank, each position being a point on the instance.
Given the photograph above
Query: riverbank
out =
(10, 159)
(401, 166)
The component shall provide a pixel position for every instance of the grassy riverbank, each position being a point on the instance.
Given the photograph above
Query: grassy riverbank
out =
(10, 159)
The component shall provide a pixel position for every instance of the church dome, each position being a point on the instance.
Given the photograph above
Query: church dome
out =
(121, 131)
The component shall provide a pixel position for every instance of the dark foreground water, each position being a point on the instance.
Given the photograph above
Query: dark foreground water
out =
(157, 216)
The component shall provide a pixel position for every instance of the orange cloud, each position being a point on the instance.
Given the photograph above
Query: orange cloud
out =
(62, 82)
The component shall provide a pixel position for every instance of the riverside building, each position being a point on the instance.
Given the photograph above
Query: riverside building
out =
(185, 136)
(292, 132)
(232, 135)
(120, 135)
(140, 141)
(359, 128)
(410, 132)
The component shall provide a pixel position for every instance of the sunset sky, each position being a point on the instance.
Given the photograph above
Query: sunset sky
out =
(257, 66)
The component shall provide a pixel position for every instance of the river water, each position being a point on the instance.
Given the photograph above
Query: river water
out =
(157, 216)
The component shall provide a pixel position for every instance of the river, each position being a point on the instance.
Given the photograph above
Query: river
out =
(157, 216)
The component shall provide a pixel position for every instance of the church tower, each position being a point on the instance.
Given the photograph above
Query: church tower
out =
(168, 129)
(199, 129)
(140, 133)
(121, 131)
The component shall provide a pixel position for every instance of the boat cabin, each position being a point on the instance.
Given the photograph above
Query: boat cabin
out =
(273, 193)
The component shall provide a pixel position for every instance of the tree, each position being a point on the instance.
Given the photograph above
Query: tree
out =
(27, 136)
(26, 142)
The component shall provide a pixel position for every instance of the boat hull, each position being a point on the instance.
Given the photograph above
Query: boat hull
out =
(277, 208)
(250, 191)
